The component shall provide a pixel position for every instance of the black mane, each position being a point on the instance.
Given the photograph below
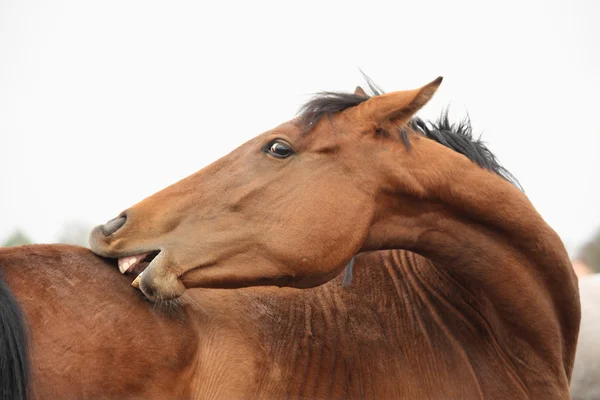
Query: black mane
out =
(458, 137)
(14, 352)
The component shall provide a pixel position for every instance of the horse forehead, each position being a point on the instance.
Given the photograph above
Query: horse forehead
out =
(291, 129)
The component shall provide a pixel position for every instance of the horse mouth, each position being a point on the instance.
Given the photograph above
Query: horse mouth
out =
(136, 264)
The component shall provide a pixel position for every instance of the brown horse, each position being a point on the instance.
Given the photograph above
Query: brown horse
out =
(480, 302)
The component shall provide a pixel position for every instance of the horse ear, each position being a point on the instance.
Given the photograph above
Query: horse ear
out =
(360, 92)
(399, 107)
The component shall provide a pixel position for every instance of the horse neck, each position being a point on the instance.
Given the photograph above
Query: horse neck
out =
(433, 199)
(483, 230)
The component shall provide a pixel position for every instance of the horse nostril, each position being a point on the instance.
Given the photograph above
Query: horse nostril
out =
(113, 225)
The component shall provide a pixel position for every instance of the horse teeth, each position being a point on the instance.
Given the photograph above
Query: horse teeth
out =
(122, 265)
(136, 281)
(125, 263)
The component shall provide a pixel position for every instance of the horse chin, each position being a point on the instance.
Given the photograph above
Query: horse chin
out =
(158, 280)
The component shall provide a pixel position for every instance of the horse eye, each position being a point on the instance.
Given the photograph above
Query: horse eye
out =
(279, 149)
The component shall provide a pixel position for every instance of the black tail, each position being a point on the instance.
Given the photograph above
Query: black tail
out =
(14, 362)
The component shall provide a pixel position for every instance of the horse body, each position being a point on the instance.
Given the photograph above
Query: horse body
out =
(391, 334)
(488, 308)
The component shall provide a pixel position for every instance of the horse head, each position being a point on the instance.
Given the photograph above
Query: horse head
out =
(290, 207)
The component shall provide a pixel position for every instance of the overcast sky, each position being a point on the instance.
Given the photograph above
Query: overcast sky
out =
(103, 103)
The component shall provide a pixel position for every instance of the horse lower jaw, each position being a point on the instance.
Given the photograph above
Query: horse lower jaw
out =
(171, 291)
(157, 281)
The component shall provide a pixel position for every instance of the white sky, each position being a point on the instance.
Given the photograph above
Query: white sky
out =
(104, 103)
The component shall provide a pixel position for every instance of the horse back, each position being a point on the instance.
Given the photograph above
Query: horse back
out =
(90, 335)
